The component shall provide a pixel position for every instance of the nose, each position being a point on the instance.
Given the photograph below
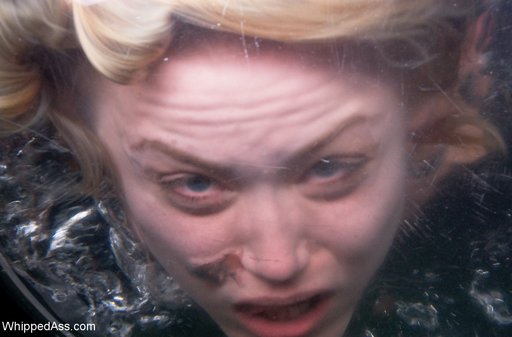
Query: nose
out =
(275, 248)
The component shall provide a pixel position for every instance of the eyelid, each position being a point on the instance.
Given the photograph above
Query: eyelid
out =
(231, 183)
(343, 159)
(196, 203)
(159, 175)
(158, 170)
(341, 183)
(181, 178)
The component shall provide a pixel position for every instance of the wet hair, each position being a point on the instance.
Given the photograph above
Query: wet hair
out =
(48, 47)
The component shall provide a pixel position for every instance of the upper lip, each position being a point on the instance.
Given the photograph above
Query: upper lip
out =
(277, 301)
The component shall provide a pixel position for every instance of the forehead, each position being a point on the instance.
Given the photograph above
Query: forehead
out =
(223, 92)
(225, 59)
(226, 71)
(193, 43)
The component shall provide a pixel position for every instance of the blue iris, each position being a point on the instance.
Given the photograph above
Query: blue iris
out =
(198, 183)
(325, 168)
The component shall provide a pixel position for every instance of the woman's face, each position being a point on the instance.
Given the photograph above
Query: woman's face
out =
(270, 185)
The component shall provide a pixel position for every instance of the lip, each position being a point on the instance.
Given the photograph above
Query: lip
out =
(294, 316)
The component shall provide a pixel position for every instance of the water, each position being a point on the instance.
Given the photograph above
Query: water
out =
(449, 275)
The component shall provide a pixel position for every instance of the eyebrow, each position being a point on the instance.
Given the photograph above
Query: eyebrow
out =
(223, 169)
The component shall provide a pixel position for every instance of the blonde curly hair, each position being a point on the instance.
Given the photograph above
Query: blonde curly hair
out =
(45, 43)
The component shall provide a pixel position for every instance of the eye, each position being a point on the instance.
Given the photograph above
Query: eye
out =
(328, 169)
(196, 193)
(198, 184)
(333, 177)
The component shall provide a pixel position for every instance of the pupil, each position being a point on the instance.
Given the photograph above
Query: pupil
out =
(199, 183)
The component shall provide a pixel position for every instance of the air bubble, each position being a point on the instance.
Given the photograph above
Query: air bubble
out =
(418, 315)
(492, 301)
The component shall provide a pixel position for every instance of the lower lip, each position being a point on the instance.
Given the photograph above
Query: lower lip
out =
(297, 327)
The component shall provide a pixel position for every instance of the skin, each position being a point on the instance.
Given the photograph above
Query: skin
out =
(259, 178)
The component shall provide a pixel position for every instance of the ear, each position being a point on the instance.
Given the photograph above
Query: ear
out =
(446, 128)
(444, 133)
(474, 80)
(445, 123)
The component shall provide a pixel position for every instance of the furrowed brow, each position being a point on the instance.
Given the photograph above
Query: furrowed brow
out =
(231, 168)
(180, 156)
(309, 150)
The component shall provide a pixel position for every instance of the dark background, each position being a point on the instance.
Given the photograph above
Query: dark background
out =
(15, 308)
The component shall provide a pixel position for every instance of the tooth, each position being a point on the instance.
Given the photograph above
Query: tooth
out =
(271, 314)
(288, 312)
(306, 306)
(295, 312)
(280, 315)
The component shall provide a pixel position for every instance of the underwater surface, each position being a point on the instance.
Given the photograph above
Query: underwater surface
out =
(449, 273)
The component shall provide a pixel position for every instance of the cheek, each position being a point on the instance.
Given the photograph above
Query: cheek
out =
(172, 236)
(362, 227)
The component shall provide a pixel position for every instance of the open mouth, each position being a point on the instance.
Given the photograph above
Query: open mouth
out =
(283, 312)
(294, 319)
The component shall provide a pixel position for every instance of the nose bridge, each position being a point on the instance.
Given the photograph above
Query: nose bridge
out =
(275, 246)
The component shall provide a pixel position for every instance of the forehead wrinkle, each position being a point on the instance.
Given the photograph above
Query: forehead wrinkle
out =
(174, 86)
(213, 112)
